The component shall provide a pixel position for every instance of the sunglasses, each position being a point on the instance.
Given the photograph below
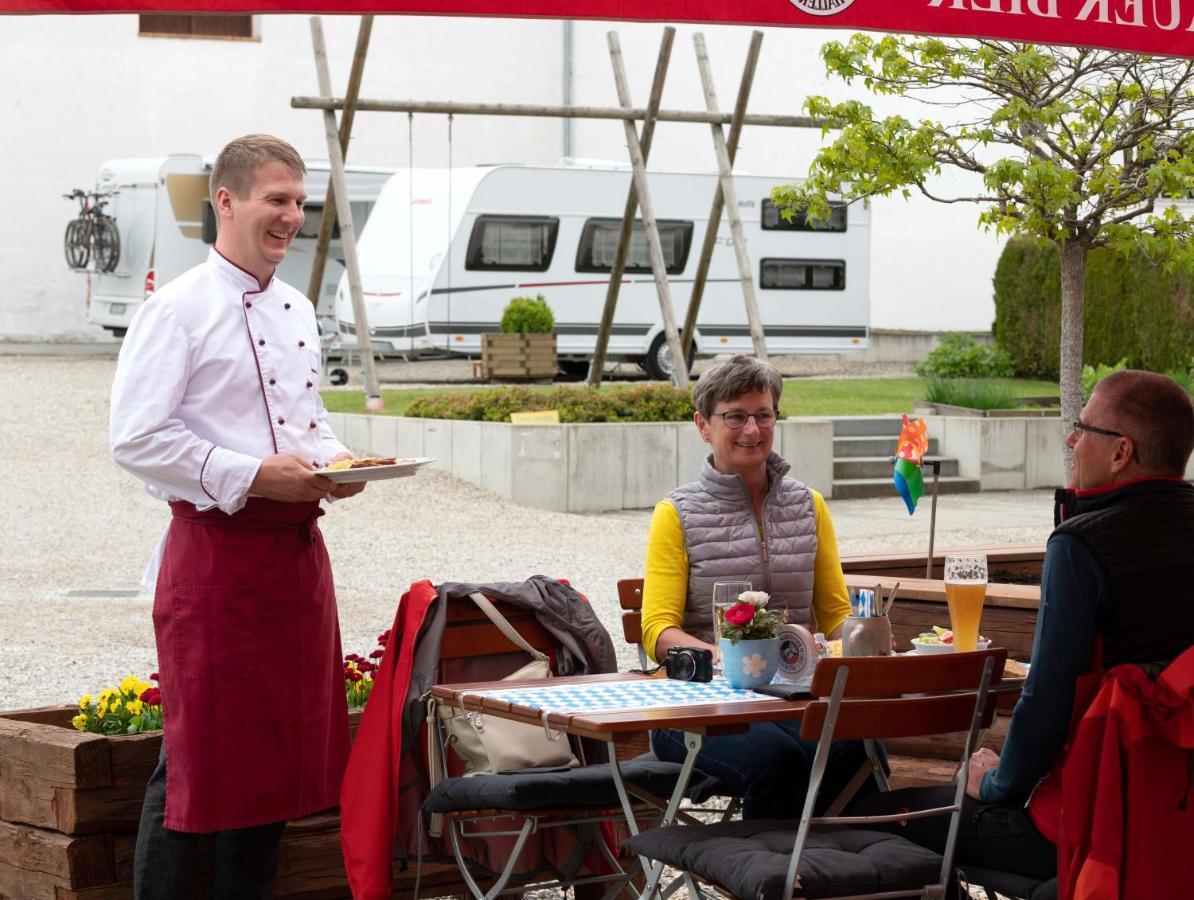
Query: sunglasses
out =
(1106, 432)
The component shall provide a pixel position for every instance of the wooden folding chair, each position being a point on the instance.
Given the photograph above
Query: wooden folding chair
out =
(630, 598)
(837, 855)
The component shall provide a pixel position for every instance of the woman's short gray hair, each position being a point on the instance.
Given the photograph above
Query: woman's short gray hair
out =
(729, 377)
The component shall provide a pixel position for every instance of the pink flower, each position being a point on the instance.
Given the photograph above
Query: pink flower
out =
(740, 614)
(153, 676)
(152, 696)
(377, 654)
(367, 667)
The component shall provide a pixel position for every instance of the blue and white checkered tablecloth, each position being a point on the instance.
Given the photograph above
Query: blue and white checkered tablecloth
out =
(610, 696)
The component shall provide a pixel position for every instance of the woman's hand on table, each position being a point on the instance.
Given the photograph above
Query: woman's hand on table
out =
(981, 762)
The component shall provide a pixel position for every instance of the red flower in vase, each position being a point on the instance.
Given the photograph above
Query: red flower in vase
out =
(740, 614)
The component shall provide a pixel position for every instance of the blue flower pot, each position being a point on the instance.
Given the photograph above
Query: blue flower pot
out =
(748, 664)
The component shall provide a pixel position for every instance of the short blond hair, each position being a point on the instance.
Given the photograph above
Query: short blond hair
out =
(236, 166)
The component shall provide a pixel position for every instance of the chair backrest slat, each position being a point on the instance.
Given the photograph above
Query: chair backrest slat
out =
(896, 717)
(469, 633)
(630, 593)
(888, 676)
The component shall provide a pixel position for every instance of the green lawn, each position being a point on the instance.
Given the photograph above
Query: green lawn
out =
(802, 396)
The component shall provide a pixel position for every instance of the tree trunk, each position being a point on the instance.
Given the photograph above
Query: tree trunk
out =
(1073, 296)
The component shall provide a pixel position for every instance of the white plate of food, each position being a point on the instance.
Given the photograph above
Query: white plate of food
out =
(351, 471)
(940, 640)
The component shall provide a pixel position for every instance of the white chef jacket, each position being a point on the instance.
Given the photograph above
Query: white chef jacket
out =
(216, 374)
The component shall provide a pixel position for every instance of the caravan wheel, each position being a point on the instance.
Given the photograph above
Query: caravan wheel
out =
(338, 377)
(658, 361)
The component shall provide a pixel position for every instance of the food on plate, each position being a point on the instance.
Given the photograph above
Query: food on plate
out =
(940, 635)
(1014, 669)
(363, 463)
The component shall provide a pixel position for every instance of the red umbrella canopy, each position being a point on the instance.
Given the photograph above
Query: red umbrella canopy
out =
(1161, 27)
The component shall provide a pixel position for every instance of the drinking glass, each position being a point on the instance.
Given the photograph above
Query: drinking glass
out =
(725, 595)
(965, 591)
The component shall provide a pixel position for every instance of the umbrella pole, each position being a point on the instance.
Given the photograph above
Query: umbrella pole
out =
(936, 466)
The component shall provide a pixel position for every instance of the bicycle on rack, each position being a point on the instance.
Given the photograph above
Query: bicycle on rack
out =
(92, 233)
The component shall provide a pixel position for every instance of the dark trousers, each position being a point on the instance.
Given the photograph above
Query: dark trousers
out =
(991, 835)
(769, 765)
(166, 863)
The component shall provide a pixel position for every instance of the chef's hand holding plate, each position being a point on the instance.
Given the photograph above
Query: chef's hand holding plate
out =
(289, 478)
(347, 489)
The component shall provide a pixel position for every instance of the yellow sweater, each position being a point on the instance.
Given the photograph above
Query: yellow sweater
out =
(665, 583)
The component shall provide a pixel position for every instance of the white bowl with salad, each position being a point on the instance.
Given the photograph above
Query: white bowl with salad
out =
(940, 640)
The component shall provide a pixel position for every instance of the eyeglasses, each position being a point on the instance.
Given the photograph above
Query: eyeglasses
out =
(736, 419)
(1106, 432)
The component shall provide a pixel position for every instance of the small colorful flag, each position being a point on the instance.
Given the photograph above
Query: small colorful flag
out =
(910, 451)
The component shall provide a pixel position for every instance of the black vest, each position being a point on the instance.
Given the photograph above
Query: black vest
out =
(1142, 535)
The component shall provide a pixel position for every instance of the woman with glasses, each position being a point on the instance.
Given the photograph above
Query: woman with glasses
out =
(745, 519)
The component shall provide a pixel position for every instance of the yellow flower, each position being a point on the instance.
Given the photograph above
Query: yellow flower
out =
(134, 707)
(129, 684)
(100, 711)
(80, 722)
(114, 706)
(85, 701)
(105, 694)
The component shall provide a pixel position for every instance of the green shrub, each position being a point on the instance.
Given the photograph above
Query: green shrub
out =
(1134, 310)
(958, 356)
(524, 315)
(971, 393)
(1092, 375)
(638, 403)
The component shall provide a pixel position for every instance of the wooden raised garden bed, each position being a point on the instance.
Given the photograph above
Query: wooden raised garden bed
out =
(518, 357)
(70, 803)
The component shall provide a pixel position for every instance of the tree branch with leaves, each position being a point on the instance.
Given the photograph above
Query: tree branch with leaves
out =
(1079, 147)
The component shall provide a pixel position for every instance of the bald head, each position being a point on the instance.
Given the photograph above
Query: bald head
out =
(1156, 413)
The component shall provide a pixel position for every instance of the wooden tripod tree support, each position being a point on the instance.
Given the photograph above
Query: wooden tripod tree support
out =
(373, 399)
(327, 216)
(597, 365)
(679, 344)
(731, 146)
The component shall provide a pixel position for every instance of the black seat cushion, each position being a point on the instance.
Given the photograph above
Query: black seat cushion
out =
(750, 859)
(544, 788)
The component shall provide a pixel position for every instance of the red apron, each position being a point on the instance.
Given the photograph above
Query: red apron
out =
(256, 723)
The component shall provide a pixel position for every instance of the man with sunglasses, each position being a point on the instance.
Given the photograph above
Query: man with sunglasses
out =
(745, 519)
(1115, 589)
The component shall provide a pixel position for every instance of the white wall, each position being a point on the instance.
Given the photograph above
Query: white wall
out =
(90, 89)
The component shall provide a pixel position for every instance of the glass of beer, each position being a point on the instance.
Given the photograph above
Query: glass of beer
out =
(725, 595)
(965, 590)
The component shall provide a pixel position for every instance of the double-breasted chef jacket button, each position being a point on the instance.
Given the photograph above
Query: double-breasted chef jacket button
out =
(302, 343)
(286, 306)
(311, 425)
(309, 384)
(281, 421)
(273, 381)
(261, 341)
(248, 305)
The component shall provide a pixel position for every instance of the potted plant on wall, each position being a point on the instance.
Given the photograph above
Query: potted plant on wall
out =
(526, 347)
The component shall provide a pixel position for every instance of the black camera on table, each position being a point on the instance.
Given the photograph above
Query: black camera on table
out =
(689, 664)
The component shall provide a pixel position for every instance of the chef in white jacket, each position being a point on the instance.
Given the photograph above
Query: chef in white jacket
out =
(216, 408)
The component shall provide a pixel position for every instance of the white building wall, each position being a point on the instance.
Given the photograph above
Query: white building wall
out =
(91, 89)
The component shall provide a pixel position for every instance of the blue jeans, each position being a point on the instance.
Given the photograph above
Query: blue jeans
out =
(769, 766)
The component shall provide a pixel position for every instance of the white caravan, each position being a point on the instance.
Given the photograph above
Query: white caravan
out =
(166, 225)
(445, 250)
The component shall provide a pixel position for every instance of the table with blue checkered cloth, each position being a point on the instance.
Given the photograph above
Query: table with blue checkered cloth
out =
(611, 696)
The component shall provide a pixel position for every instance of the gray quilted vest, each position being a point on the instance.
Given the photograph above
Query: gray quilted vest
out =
(722, 542)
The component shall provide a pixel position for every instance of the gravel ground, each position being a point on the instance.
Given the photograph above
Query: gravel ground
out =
(80, 527)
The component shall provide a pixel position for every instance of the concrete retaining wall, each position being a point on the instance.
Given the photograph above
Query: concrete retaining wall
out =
(575, 468)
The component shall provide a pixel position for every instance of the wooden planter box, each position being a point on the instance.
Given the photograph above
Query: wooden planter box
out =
(70, 803)
(518, 357)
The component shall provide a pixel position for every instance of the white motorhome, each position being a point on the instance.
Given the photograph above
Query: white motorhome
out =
(166, 225)
(445, 250)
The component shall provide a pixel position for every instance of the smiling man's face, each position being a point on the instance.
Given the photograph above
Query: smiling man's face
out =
(256, 230)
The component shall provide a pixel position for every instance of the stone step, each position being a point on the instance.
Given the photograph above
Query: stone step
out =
(879, 466)
(857, 488)
(866, 426)
(852, 447)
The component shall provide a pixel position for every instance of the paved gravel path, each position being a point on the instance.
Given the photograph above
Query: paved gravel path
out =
(78, 526)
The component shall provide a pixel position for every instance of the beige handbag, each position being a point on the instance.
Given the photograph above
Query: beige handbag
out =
(489, 744)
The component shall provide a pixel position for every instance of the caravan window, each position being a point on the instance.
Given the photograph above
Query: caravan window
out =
(512, 242)
(802, 275)
(773, 221)
(599, 245)
(313, 212)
